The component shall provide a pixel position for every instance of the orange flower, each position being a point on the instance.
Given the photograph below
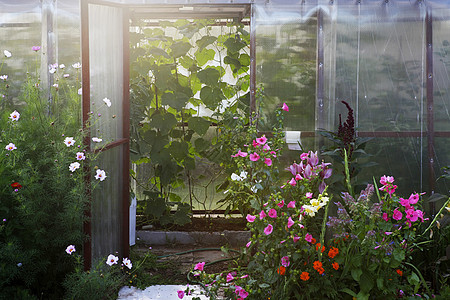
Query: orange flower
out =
(333, 252)
(304, 276)
(281, 270)
(313, 241)
(318, 246)
(317, 264)
(320, 270)
(399, 272)
(335, 265)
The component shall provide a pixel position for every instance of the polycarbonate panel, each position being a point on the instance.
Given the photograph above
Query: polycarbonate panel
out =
(106, 207)
(106, 71)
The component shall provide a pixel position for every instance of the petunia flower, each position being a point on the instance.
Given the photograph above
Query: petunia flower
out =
(80, 156)
(285, 261)
(290, 222)
(240, 153)
(272, 213)
(70, 249)
(385, 217)
(69, 141)
(250, 218)
(280, 204)
(112, 260)
(199, 266)
(268, 161)
(230, 277)
(10, 147)
(127, 263)
(262, 215)
(291, 204)
(285, 107)
(254, 156)
(14, 116)
(101, 175)
(268, 230)
(107, 102)
(7, 53)
(262, 140)
(73, 166)
(180, 294)
(397, 215)
(308, 237)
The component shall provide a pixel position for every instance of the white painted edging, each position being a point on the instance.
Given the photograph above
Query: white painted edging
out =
(159, 292)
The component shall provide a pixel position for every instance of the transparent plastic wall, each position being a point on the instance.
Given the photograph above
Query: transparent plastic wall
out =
(371, 54)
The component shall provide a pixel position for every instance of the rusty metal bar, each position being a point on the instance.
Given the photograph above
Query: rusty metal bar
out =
(430, 102)
(126, 136)
(111, 145)
(252, 60)
(85, 84)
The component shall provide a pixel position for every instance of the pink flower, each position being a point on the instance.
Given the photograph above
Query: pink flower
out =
(254, 156)
(199, 266)
(281, 204)
(290, 222)
(272, 213)
(255, 144)
(405, 202)
(36, 48)
(268, 230)
(411, 215)
(266, 147)
(296, 238)
(285, 107)
(243, 294)
(385, 217)
(291, 204)
(248, 244)
(386, 179)
(285, 261)
(250, 218)
(262, 215)
(240, 153)
(244, 276)
(303, 156)
(293, 182)
(309, 195)
(230, 277)
(420, 214)
(308, 238)
(274, 154)
(268, 161)
(388, 233)
(262, 140)
(413, 199)
(180, 294)
(298, 177)
(397, 215)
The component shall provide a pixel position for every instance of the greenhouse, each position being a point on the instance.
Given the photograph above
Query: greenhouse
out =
(302, 123)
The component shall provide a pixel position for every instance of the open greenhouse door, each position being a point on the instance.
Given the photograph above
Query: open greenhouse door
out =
(105, 94)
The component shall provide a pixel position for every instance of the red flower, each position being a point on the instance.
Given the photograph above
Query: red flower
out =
(317, 264)
(16, 185)
(313, 241)
(281, 270)
(399, 272)
(304, 276)
(333, 252)
(318, 246)
(335, 265)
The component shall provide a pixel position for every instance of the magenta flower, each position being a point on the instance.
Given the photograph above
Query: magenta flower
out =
(385, 217)
(255, 144)
(285, 107)
(411, 215)
(388, 233)
(254, 156)
(420, 214)
(240, 153)
(280, 204)
(413, 199)
(285, 261)
(291, 204)
(309, 195)
(397, 215)
(386, 179)
(230, 277)
(268, 230)
(262, 140)
(262, 215)
(292, 182)
(248, 244)
(180, 294)
(199, 266)
(298, 177)
(36, 48)
(405, 203)
(290, 222)
(266, 147)
(272, 213)
(308, 238)
(304, 156)
(250, 218)
(268, 161)
(243, 294)
(295, 238)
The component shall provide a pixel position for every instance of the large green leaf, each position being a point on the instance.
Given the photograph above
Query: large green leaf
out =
(204, 56)
(356, 274)
(164, 122)
(155, 51)
(201, 144)
(211, 97)
(180, 49)
(178, 150)
(205, 41)
(234, 44)
(199, 125)
(244, 59)
(366, 282)
(156, 207)
(209, 76)
(232, 62)
(176, 100)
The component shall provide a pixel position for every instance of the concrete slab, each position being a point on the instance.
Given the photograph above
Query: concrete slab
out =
(160, 292)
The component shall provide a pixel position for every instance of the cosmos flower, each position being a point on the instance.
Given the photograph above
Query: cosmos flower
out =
(107, 102)
(101, 175)
(69, 141)
(70, 249)
(14, 115)
(112, 260)
(73, 166)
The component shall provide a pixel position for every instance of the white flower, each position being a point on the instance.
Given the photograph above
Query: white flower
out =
(69, 141)
(107, 102)
(73, 166)
(62, 66)
(80, 91)
(235, 177)
(126, 262)
(80, 156)
(66, 75)
(4, 77)
(243, 175)
(52, 70)
(254, 189)
(56, 85)
(76, 65)
(112, 260)
(14, 115)
(310, 210)
(70, 249)
(101, 175)
(7, 53)
(10, 147)
(97, 140)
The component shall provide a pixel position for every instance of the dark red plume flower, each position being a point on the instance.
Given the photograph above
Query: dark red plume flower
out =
(16, 185)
